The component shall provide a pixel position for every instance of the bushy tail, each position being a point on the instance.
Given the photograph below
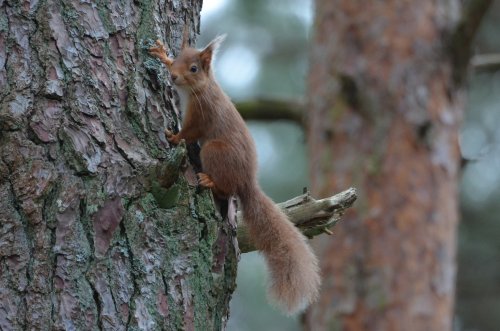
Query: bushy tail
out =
(293, 266)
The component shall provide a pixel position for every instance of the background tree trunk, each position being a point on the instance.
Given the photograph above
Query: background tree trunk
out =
(385, 116)
(97, 231)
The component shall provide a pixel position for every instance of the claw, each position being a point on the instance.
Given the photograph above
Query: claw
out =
(160, 51)
(159, 48)
(205, 180)
(171, 137)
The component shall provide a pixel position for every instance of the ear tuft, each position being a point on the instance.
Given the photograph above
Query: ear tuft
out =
(215, 44)
(208, 53)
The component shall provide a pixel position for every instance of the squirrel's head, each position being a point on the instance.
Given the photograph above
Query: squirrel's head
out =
(192, 69)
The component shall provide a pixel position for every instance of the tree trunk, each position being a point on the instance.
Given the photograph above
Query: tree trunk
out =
(97, 230)
(384, 118)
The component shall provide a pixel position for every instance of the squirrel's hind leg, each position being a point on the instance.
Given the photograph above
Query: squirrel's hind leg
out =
(220, 167)
(205, 180)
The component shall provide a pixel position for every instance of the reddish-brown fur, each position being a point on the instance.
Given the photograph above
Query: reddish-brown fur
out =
(229, 164)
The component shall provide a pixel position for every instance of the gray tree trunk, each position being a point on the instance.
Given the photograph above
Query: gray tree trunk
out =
(97, 230)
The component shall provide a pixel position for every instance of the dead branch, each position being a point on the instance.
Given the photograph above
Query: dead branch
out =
(464, 34)
(486, 62)
(272, 110)
(313, 217)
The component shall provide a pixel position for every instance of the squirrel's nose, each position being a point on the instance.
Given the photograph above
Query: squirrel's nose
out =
(174, 77)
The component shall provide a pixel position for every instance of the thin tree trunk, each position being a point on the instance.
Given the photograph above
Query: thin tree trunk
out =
(97, 230)
(384, 118)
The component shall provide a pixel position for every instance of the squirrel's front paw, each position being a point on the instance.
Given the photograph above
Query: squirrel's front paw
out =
(159, 50)
(172, 138)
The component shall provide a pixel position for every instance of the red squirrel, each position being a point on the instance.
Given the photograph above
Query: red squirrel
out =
(229, 163)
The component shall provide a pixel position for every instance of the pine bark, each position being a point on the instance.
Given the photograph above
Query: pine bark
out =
(101, 225)
(384, 118)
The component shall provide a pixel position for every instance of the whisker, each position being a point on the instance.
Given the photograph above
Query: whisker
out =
(199, 103)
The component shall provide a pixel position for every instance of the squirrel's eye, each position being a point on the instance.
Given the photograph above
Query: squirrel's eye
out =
(193, 69)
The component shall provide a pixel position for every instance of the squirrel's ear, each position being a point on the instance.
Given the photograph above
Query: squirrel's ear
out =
(208, 53)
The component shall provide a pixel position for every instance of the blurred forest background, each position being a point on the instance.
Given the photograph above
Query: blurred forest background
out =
(266, 57)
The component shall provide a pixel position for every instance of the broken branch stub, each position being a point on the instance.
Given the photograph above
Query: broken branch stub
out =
(311, 216)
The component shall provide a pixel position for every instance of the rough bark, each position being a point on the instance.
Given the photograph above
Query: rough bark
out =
(384, 118)
(97, 228)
